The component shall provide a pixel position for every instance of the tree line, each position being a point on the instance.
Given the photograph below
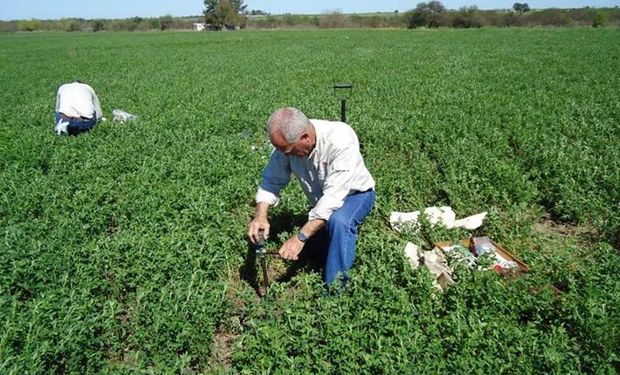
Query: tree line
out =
(434, 14)
(226, 14)
(80, 24)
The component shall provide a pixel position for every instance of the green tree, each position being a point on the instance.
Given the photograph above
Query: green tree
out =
(98, 25)
(426, 14)
(165, 22)
(220, 13)
(73, 26)
(521, 7)
(467, 17)
(29, 25)
(133, 23)
(435, 7)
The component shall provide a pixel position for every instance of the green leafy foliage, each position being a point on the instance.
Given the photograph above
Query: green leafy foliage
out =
(123, 249)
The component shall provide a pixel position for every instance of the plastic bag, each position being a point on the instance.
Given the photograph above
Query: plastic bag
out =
(443, 216)
(122, 116)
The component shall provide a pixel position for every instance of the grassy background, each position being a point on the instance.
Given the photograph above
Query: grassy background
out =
(124, 248)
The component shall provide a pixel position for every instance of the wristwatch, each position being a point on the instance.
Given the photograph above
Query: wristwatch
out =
(302, 237)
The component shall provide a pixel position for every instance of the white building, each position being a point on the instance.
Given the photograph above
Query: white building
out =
(199, 26)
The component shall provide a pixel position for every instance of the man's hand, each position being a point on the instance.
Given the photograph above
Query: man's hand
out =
(290, 249)
(259, 223)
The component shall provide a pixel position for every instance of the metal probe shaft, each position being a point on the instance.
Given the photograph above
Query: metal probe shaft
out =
(260, 251)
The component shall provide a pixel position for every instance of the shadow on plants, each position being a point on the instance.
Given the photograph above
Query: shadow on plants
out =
(247, 271)
(308, 261)
(311, 259)
(285, 220)
(250, 270)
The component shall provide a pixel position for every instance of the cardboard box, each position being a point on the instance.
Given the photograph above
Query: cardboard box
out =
(521, 266)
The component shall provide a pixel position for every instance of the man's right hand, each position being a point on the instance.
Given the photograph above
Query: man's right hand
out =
(259, 223)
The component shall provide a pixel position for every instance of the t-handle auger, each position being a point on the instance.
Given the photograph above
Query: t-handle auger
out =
(343, 91)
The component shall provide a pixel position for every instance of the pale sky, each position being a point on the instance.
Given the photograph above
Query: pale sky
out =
(53, 9)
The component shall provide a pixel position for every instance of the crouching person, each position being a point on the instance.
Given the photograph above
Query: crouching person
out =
(77, 109)
(325, 158)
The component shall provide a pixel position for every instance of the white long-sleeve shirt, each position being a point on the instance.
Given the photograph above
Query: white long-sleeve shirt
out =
(78, 100)
(332, 171)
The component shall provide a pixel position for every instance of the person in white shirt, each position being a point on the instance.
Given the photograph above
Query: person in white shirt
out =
(77, 108)
(325, 158)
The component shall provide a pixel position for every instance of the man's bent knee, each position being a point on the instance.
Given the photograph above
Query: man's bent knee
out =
(338, 222)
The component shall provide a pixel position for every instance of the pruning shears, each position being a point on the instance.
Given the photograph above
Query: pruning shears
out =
(261, 253)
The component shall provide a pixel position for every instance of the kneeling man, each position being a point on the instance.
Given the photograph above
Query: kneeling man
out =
(325, 158)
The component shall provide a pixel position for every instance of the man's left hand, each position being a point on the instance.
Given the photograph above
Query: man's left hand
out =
(290, 249)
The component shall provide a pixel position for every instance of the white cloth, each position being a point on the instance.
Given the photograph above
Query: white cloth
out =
(61, 127)
(443, 216)
(78, 100)
(332, 171)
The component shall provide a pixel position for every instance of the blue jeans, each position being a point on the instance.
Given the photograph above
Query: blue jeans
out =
(339, 235)
(77, 126)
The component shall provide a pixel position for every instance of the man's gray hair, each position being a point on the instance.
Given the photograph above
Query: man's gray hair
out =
(290, 122)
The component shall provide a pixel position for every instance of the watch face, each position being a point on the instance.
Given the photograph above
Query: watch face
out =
(302, 237)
